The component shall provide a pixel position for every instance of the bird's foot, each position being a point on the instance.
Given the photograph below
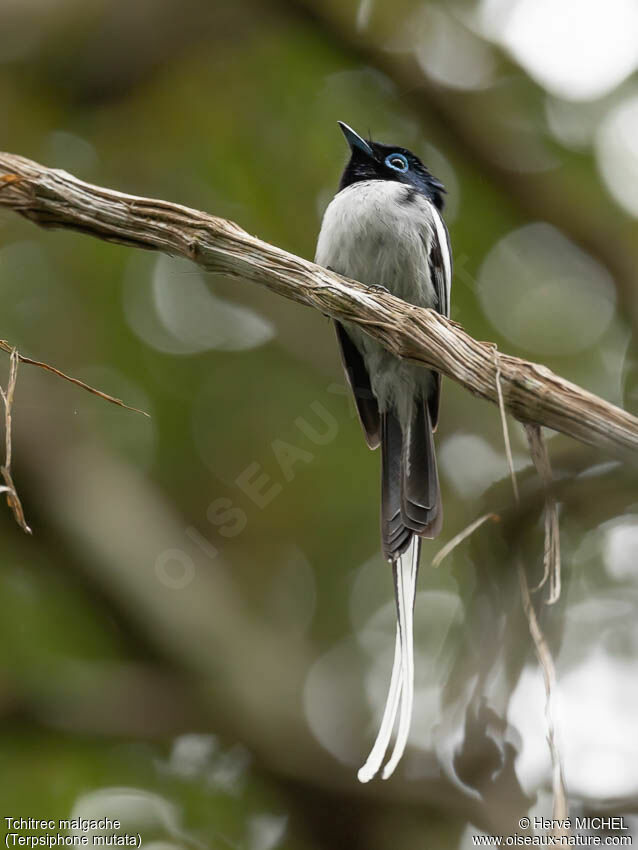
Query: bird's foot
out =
(375, 287)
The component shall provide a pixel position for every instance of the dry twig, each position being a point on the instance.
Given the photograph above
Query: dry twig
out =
(13, 500)
(9, 489)
(461, 536)
(543, 653)
(546, 662)
(551, 556)
(5, 346)
(506, 433)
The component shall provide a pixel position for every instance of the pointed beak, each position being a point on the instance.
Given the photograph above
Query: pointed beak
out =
(355, 140)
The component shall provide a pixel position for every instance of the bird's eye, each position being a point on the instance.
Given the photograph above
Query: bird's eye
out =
(396, 161)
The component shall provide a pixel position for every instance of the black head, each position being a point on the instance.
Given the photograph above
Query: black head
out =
(373, 161)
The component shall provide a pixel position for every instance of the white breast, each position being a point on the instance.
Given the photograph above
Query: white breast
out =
(372, 234)
(380, 232)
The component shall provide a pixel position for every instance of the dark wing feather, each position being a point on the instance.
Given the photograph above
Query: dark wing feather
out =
(439, 278)
(359, 381)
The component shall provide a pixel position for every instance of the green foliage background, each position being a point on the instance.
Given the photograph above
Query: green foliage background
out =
(105, 665)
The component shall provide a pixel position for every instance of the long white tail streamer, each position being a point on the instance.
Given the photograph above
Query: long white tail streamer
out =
(377, 753)
(407, 566)
(401, 690)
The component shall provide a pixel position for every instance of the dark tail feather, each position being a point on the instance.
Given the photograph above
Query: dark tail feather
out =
(410, 496)
(394, 533)
(420, 493)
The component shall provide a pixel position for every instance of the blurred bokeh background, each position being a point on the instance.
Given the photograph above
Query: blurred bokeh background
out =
(208, 666)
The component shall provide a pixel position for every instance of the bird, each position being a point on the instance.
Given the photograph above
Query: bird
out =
(384, 228)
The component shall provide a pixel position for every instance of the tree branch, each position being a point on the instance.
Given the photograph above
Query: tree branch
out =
(531, 393)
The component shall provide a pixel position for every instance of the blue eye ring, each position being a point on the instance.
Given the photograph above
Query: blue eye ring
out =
(397, 162)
